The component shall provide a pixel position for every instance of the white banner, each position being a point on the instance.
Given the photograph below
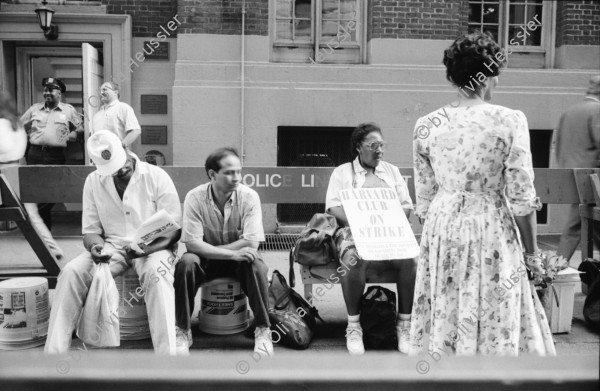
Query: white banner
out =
(379, 226)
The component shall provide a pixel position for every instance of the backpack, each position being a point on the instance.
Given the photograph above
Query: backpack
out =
(591, 306)
(590, 268)
(315, 245)
(378, 318)
(292, 318)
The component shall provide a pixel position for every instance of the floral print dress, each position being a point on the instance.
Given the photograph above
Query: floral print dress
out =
(473, 173)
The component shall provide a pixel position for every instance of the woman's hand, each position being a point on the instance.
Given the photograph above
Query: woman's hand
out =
(535, 263)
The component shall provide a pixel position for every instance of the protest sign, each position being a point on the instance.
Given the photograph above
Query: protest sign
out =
(379, 226)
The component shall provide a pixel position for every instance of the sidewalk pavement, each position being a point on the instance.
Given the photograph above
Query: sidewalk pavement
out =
(328, 337)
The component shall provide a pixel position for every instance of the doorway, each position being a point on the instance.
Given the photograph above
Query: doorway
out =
(79, 68)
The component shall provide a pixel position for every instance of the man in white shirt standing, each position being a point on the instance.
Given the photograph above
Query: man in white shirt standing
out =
(116, 116)
(118, 197)
(578, 146)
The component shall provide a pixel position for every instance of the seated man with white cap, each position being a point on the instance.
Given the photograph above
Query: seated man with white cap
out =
(117, 198)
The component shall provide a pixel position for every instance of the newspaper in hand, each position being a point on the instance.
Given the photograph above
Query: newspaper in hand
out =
(157, 225)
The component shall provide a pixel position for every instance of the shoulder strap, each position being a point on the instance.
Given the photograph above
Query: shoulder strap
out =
(317, 277)
(593, 123)
(282, 303)
(321, 235)
(292, 276)
(353, 175)
(312, 310)
(283, 300)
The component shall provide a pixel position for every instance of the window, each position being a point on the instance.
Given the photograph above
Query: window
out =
(485, 16)
(522, 27)
(527, 14)
(318, 31)
(60, 2)
(310, 146)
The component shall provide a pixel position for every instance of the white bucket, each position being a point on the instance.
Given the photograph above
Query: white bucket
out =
(224, 308)
(133, 315)
(560, 315)
(24, 312)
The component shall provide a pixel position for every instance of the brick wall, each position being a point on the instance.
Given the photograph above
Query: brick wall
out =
(224, 16)
(425, 19)
(578, 23)
(147, 15)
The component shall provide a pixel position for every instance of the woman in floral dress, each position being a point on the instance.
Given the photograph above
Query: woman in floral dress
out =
(475, 195)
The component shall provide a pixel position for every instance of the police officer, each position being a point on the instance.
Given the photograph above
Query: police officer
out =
(50, 125)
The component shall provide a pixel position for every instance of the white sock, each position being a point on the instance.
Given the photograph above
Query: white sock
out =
(354, 320)
(403, 319)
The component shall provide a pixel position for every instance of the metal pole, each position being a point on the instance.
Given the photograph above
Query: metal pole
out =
(242, 92)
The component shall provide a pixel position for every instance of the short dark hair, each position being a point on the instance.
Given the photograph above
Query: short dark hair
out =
(114, 86)
(213, 161)
(468, 56)
(359, 134)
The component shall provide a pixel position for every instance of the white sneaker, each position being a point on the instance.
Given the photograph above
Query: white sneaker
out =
(403, 332)
(262, 341)
(354, 340)
(183, 341)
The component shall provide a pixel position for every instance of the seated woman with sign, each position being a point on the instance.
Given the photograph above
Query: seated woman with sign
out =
(368, 171)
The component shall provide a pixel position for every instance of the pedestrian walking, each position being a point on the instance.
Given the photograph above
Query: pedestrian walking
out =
(578, 146)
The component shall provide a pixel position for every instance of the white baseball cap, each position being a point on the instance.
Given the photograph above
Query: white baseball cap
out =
(106, 151)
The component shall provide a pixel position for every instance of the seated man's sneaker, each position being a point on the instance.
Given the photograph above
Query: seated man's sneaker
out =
(403, 331)
(262, 341)
(354, 340)
(183, 341)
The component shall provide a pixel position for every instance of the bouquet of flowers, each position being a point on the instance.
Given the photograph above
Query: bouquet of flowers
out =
(543, 269)
(542, 275)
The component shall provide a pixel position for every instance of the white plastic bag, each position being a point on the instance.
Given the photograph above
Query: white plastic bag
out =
(99, 322)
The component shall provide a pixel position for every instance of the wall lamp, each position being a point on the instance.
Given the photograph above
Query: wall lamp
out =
(45, 14)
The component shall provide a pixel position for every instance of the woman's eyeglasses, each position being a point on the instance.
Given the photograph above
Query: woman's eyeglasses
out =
(375, 145)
